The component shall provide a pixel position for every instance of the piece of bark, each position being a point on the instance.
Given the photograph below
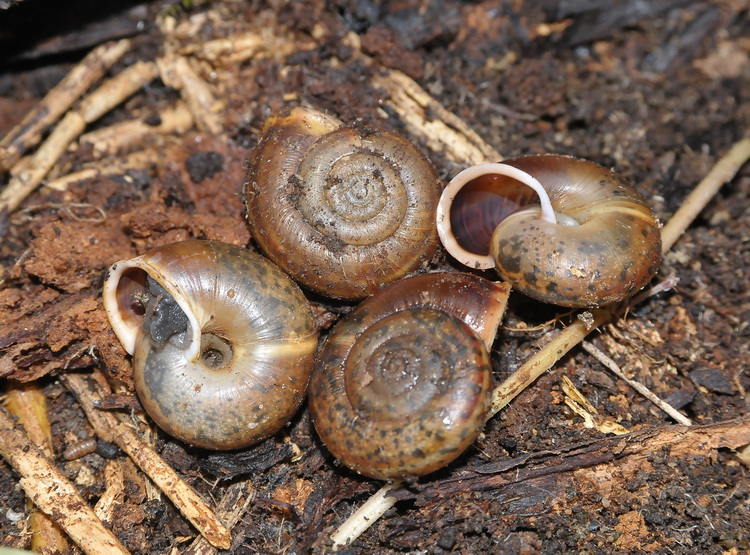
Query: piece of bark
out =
(48, 338)
(620, 452)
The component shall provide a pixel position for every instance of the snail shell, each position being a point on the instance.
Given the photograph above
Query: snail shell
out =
(560, 229)
(342, 210)
(402, 384)
(222, 340)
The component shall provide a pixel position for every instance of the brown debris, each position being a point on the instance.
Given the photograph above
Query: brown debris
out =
(618, 456)
(69, 257)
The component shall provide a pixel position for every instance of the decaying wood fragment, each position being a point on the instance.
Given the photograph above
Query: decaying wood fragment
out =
(53, 493)
(622, 452)
(58, 100)
(114, 491)
(91, 108)
(115, 138)
(425, 118)
(27, 403)
(231, 509)
(176, 72)
(109, 427)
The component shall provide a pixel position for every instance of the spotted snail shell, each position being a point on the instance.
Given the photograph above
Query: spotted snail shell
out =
(343, 210)
(402, 384)
(560, 229)
(222, 340)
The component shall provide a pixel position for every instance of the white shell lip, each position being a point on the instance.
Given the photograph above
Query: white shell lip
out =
(127, 326)
(443, 221)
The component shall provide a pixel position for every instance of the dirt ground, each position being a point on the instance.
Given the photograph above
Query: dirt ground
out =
(658, 90)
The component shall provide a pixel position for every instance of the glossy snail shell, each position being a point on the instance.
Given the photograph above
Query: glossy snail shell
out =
(222, 340)
(594, 241)
(402, 384)
(343, 210)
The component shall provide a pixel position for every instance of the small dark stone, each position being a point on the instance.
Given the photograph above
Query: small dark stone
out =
(203, 165)
(447, 539)
(107, 450)
(154, 120)
(680, 398)
(655, 518)
(510, 445)
(713, 380)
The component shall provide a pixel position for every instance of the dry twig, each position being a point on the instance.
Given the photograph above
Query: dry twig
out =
(108, 427)
(611, 365)
(58, 100)
(53, 493)
(28, 404)
(91, 108)
(115, 138)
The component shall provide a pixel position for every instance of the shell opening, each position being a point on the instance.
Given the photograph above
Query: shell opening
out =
(139, 304)
(478, 199)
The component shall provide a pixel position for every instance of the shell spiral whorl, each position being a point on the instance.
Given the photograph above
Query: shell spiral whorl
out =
(222, 340)
(402, 384)
(594, 241)
(343, 210)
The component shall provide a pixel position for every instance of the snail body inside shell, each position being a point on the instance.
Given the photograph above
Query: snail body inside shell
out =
(592, 240)
(343, 210)
(402, 385)
(222, 340)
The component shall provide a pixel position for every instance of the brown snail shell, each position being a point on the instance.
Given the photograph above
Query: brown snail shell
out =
(402, 384)
(222, 340)
(343, 210)
(560, 229)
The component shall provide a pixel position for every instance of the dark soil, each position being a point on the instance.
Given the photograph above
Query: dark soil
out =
(658, 90)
